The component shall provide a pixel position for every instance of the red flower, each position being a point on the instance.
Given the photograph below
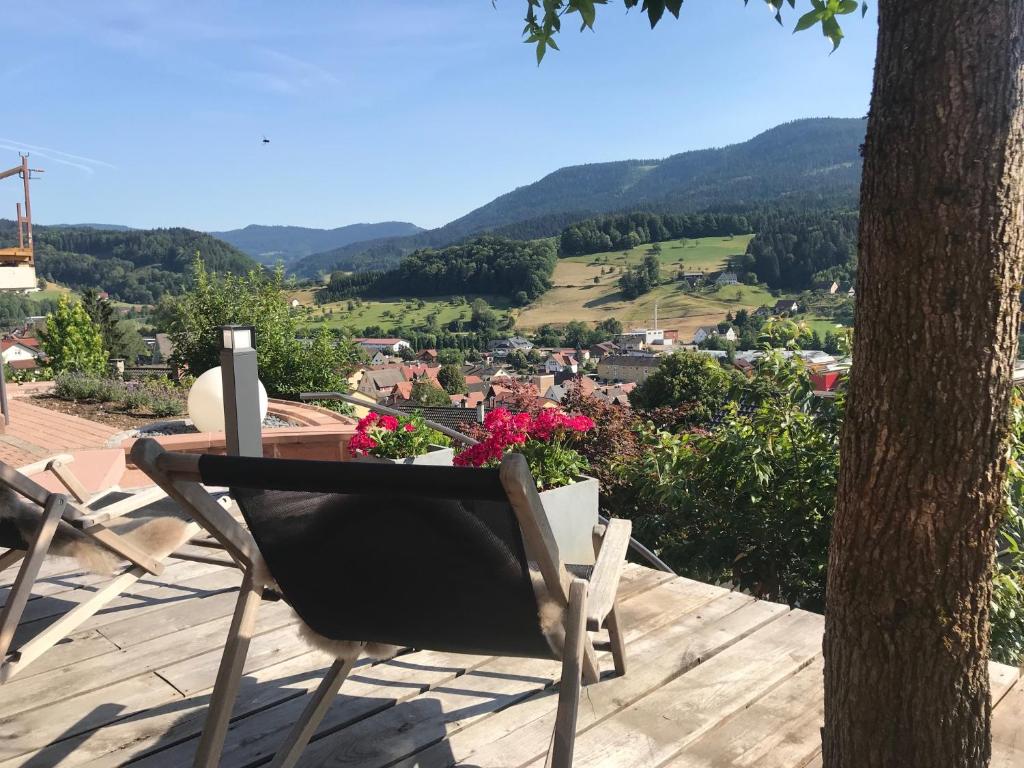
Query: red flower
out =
(409, 426)
(390, 423)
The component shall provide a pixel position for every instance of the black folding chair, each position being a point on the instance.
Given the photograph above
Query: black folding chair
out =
(436, 558)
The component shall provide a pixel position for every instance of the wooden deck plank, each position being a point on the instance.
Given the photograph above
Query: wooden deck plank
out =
(520, 734)
(38, 728)
(74, 679)
(257, 737)
(779, 731)
(496, 685)
(656, 728)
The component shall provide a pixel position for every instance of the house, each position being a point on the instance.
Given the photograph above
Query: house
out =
(825, 382)
(707, 331)
(581, 355)
(378, 383)
(615, 394)
(421, 371)
(487, 372)
(390, 345)
(634, 368)
(401, 391)
(640, 338)
(603, 349)
(470, 400)
(559, 362)
(783, 306)
(21, 351)
(379, 358)
(726, 278)
(502, 347)
(427, 355)
(827, 286)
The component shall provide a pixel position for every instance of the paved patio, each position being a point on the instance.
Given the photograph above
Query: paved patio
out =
(35, 433)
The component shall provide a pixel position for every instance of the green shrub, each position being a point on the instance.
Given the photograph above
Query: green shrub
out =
(83, 386)
(137, 399)
(167, 406)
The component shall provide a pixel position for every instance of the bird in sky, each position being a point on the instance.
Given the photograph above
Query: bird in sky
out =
(266, 140)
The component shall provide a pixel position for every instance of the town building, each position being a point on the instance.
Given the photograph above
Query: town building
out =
(634, 368)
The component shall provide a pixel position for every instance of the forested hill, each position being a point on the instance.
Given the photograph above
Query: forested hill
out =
(814, 159)
(137, 266)
(271, 244)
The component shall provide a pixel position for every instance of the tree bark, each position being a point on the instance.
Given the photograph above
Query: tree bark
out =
(924, 444)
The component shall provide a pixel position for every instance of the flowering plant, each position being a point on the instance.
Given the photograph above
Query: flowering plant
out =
(545, 439)
(394, 437)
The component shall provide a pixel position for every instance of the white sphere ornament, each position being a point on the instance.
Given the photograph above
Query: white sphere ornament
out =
(206, 401)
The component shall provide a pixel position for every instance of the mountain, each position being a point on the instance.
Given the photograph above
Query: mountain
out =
(271, 244)
(103, 227)
(133, 265)
(805, 161)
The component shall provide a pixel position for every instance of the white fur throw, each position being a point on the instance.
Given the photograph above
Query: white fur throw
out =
(150, 534)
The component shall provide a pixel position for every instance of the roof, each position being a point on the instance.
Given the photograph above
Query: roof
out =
(389, 341)
(709, 329)
(419, 370)
(563, 359)
(471, 399)
(402, 389)
(785, 303)
(450, 416)
(632, 361)
(384, 378)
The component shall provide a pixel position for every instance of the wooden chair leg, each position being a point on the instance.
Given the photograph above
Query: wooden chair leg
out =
(564, 737)
(26, 578)
(615, 637)
(290, 751)
(229, 676)
(10, 557)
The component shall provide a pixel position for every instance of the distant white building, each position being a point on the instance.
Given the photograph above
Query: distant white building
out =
(707, 331)
(638, 338)
(390, 345)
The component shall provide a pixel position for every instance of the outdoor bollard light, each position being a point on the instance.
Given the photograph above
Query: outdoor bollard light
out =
(243, 422)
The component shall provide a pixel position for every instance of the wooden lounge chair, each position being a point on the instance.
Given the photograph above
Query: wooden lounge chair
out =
(435, 558)
(91, 528)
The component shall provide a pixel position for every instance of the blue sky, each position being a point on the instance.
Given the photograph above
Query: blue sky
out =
(150, 112)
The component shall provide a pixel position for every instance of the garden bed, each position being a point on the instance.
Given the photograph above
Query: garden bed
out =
(112, 414)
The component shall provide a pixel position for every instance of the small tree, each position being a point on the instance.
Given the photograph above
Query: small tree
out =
(685, 378)
(450, 377)
(287, 366)
(427, 393)
(72, 341)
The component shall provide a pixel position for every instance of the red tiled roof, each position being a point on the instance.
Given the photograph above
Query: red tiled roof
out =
(472, 399)
(402, 389)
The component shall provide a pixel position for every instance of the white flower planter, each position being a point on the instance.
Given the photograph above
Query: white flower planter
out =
(572, 514)
(437, 456)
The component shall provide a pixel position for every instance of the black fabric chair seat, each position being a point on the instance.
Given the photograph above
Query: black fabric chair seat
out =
(406, 567)
(10, 536)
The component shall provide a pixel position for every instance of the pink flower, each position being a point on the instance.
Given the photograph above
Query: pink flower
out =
(390, 423)
(409, 426)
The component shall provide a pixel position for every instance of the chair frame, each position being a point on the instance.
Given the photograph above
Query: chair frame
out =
(589, 604)
(58, 510)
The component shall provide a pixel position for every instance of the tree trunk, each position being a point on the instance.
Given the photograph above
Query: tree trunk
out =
(924, 444)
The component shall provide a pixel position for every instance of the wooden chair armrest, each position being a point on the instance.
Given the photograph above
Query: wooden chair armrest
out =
(604, 581)
(88, 516)
(44, 464)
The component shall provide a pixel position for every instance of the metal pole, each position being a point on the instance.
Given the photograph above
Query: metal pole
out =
(21, 224)
(243, 427)
(3, 395)
(25, 175)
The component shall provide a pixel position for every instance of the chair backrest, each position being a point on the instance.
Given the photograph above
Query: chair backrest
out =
(427, 557)
(16, 515)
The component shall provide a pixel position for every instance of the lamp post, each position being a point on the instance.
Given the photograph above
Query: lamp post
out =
(243, 427)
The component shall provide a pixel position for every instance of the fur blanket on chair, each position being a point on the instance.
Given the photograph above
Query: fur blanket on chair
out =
(150, 534)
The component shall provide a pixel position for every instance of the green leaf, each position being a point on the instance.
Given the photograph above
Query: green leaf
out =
(830, 29)
(541, 50)
(655, 9)
(674, 6)
(587, 12)
(808, 20)
(847, 6)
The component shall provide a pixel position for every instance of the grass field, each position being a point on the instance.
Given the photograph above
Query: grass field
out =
(390, 313)
(575, 295)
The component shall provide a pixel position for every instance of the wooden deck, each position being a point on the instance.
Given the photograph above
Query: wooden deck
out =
(715, 679)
